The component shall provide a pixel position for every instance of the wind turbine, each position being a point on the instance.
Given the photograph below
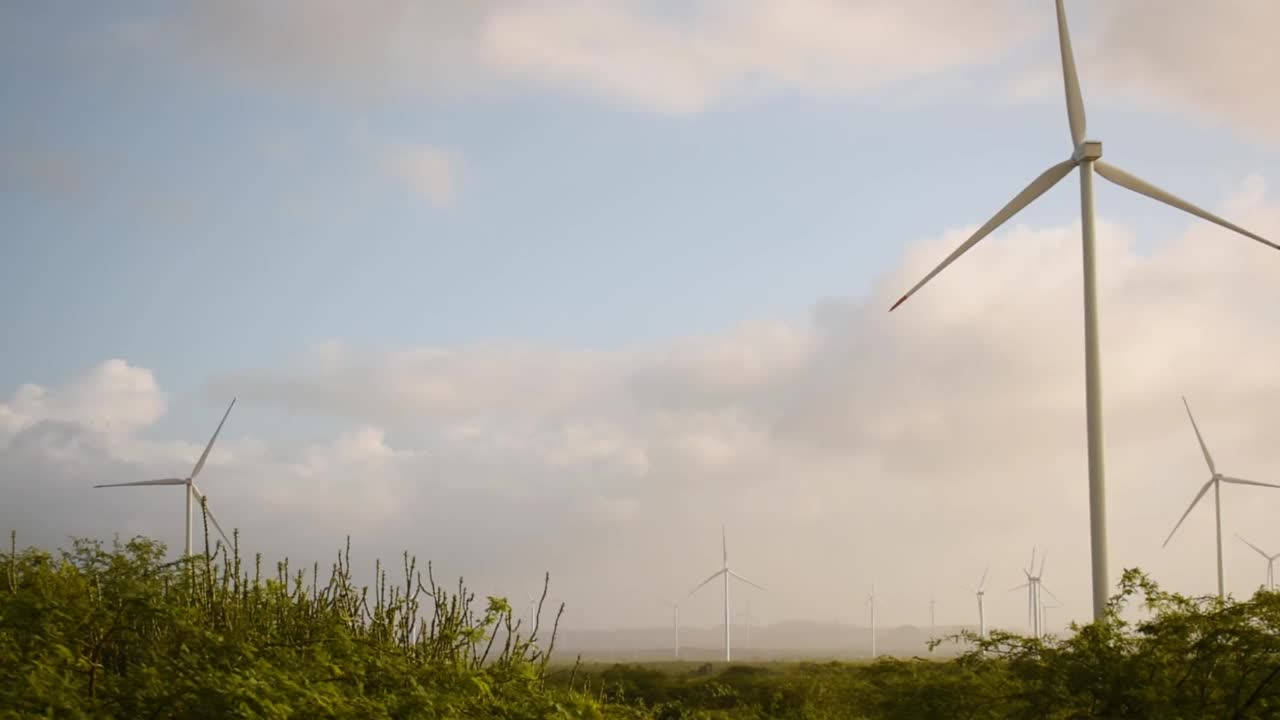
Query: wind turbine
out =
(933, 625)
(190, 482)
(1271, 563)
(746, 622)
(675, 626)
(980, 593)
(871, 602)
(1035, 606)
(1215, 480)
(1086, 155)
(725, 573)
(1046, 607)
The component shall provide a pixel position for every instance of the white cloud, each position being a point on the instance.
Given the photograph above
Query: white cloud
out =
(1211, 61)
(652, 56)
(115, 398)
(717, 51)
(916, 446)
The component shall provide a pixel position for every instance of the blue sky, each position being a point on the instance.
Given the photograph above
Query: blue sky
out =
(210, 206)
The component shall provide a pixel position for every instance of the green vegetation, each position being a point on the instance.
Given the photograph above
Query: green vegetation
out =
(1191, 658)
(118, 632)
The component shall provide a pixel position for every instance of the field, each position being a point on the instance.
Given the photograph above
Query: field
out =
(118, 632)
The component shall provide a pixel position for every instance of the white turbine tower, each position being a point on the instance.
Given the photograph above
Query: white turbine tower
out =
(1215, 481)
(725, 573)
(1086, 155)
(190, 482)
(1271, 563)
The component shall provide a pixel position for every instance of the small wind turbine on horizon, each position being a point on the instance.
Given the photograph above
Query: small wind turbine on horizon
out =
(980, 592)
(1271, 563)
(191, 490)
(1215, 481)
(1035, 603)
(675, 626)
(746, 618)
(933, 624)
(725, 573)
(871, 602)
(1087, 156)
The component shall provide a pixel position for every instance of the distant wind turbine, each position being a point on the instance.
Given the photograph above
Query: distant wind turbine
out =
(1086, 156)
(933, 625)
(746, 623)
(1271, 563)
(980, 592)
(1035, 604)
(675, 626)
(1215, 481)
(190, 482)
(871, 602)
(725, 573)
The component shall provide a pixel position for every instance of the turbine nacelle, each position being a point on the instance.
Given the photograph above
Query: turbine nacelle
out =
(1087, 150)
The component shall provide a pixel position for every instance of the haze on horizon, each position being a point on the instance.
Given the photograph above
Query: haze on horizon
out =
(517, 300)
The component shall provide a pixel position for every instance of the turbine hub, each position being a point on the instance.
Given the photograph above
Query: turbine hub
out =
(1088, 150)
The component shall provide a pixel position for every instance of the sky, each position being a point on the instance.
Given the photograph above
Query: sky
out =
(548, 286)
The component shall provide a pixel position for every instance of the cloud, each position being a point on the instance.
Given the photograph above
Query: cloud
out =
(651, 56)
(427, 170)
(1213, 62)
(115, 398)
(713, 52)
(914, 447)
(1217, 60)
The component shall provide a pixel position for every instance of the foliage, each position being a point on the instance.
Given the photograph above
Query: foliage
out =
(119, 633)
(1189, 658)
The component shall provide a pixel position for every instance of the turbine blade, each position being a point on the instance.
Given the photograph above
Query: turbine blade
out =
(1038, 187)
(1203, 448)
(1204, 489)
(739, 577)
(1043, 559)
(714, 575)
(1032, 567)
(1255, 547)
(1238, 481)
(1142, 187)
(724, 546)
(1018, 587)
(205, 455)
(1075, 103)
(166, 481)
(209, 511)
(1055, 597)
(983, 581)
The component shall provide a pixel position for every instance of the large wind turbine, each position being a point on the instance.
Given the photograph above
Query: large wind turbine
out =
(1215, 480)
(1271, 563)
(1086, 155)
(190, 482)
(726, 573)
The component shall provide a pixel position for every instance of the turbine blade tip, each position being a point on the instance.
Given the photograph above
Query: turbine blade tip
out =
(900, 301)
